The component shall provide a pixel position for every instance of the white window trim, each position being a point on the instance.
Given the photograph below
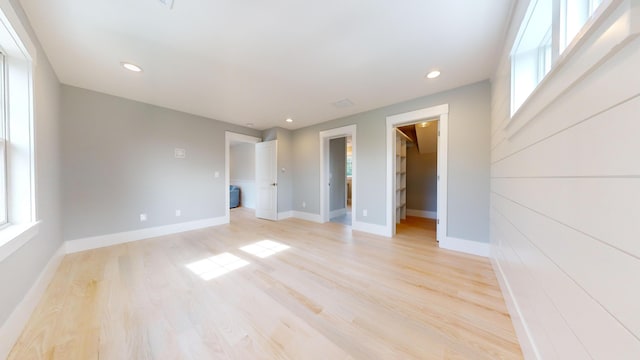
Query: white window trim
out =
(20, 60)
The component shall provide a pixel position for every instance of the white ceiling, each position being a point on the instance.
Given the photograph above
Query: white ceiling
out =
(257, 61)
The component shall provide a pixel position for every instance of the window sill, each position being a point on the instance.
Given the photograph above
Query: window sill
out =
(13, 237)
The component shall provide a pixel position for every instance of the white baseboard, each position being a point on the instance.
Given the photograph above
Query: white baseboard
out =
(465, 246)
(370, 228)
(307, 216)
(17, 320)
(336, 213)
(285, 215)
(527, 345)
(422, 214)
(95, 242)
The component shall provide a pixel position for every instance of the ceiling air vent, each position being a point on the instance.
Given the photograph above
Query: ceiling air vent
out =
(167, 3)
(344, 103)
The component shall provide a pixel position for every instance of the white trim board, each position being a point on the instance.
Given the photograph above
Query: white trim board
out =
(95, 242)
(302, 215)
(369, 228)
(465, 246)
(527, 345)
(422, 213)
(285, 215)
(17, 320)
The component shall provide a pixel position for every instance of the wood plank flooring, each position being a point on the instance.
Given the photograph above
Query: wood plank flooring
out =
(329, 295)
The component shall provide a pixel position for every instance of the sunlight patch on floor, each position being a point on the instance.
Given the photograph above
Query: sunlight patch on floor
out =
(264, 248)
(215, 266)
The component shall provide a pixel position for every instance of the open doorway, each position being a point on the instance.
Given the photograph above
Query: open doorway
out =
(416, 178)
(434, 118)
(241, 188)
(340, 179)
(349, 191)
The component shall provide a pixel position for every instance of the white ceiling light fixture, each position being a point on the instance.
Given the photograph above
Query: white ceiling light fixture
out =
(131, 67)
(249, 124)
(434, 74)
(289, 120)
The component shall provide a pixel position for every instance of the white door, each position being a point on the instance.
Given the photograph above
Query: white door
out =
(267, 180)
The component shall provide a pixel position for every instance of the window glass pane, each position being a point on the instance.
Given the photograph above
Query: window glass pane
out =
(532, 54)
(574, 14)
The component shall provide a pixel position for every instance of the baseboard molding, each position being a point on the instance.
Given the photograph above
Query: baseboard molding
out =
(527, 345)
(15, 323)
(465, 246)
(370, 228)
(307, 216)
(422, 214)
(336, 213)
(95, 242)
(285, 215)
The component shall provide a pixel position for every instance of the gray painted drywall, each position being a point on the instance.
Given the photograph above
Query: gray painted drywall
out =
(338, 173)
(468, 202)
(422, 181)
(19, 271)
(242, 162)
(118, 162)
(285, 166)
(242, 169)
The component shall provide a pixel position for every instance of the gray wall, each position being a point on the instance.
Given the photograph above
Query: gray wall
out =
(285, 166)
(19, 271)
(242, 165)
(118, 162)
(469, 114)
(242, 172)
(338, 171)
(422, 180)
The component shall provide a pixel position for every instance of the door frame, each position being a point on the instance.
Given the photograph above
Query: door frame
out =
(441, 112)
(230, 137)
(325, 136)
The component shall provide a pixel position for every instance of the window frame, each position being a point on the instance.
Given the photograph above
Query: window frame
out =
(20, 60)
(560, 46)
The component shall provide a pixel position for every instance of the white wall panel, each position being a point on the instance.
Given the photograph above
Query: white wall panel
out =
(565, 203)
(523, 263)
(599, 146)
(572, 333)
(603, 208)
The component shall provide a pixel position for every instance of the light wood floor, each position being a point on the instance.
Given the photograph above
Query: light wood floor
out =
(330, 295)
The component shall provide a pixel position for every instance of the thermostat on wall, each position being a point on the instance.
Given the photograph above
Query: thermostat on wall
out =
(179, 153)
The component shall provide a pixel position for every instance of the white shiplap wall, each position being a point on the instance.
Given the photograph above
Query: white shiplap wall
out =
(565, 195)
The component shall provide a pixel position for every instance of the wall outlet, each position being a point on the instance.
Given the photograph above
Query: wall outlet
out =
(216, 174)
(178, 212)
(365, 212)
(143, 217)
(304, 204)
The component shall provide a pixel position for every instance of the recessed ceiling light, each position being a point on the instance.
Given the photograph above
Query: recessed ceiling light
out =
(249, 124)
(131, 67)
(434, 74)
(289, 120)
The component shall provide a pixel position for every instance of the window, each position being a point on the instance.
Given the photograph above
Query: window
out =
(573, 15)
(349, 165)
(18, 222)
(535, 51)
